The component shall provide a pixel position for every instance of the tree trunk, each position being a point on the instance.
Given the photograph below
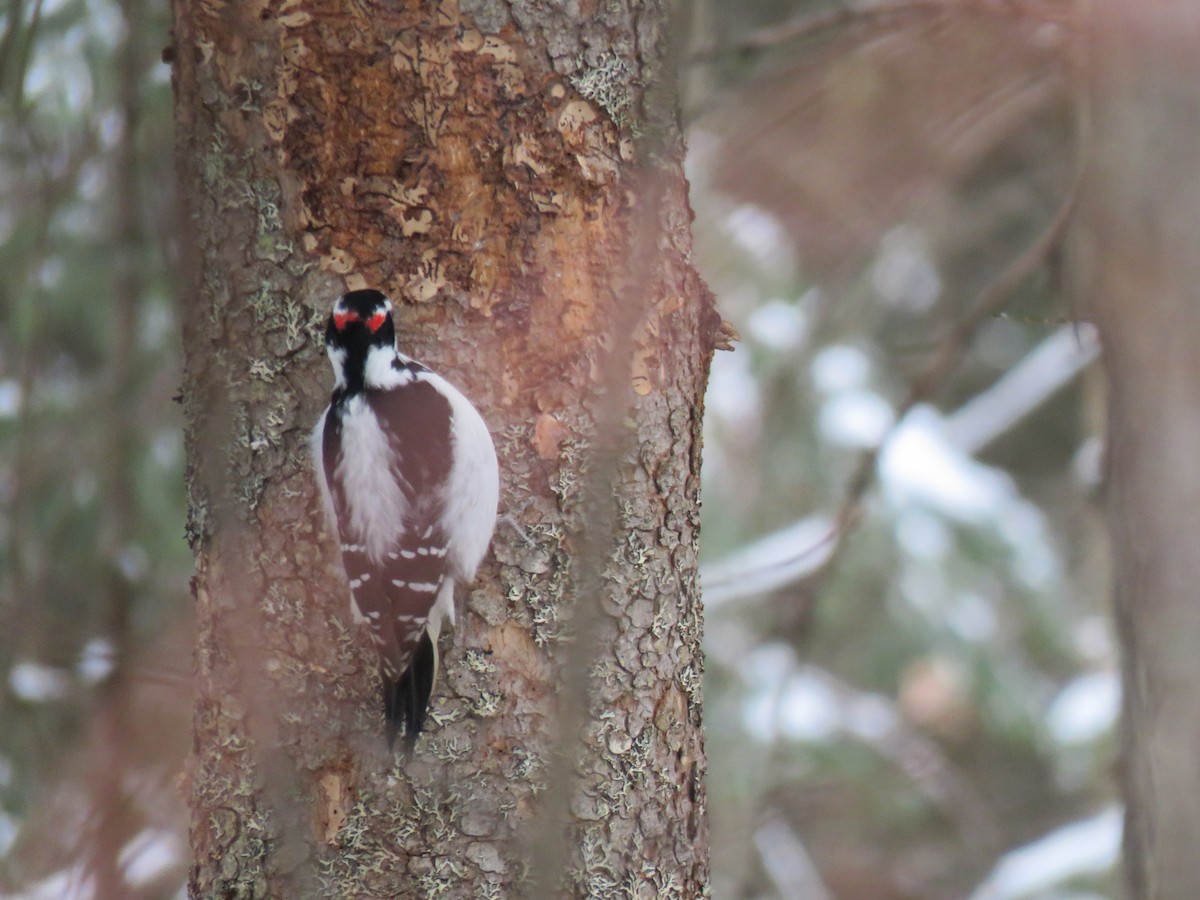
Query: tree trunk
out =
(503, 173)
(1138, 247)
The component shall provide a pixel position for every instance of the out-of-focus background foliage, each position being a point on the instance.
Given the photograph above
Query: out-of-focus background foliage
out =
(94, 654)
(919, 703)
(911, 688)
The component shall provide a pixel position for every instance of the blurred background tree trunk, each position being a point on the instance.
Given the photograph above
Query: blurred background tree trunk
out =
(502, 171)
(1138, 251)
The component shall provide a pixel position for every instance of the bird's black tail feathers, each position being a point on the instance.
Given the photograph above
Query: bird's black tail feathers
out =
(406, 699)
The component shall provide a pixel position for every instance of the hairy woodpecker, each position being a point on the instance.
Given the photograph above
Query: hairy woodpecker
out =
(409, 478)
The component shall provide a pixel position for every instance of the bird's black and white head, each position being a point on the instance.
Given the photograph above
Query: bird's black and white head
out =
(360, 339)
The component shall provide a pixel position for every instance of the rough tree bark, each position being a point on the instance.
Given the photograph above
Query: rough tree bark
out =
(1137, 249)
(504, 172)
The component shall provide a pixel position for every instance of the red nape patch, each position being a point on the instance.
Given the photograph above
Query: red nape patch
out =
(376, 321)
(340, 320)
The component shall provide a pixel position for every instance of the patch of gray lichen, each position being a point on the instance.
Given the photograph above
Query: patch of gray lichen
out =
(607, 84)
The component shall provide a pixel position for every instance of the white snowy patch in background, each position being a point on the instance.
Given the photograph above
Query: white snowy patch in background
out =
(856, 418)
(106, 23)
(150, 855)
(700, 160)
(156, 325)
(781, 325)
(10, 398)
(971, 616)
(58, 72)
(733, 392)
(67, 883)
(780, 558)
(8, 833)
(1093, 638)
(803, 703)
(919, 467)
(1088, 463)
(851, 414)
(733, 407)
(95, 660)
(1024, 527)
(902, 274)
(760, 234)
(808, 709)
(869, 716)
(840, 367)
(763, 672)
(1044, 371)
(785, 698)
(167, 448)
(927, 477)
(50, 273)
(1085, 709)
(1087, 846)
(923, 535)
(37, 683)
(110, 127)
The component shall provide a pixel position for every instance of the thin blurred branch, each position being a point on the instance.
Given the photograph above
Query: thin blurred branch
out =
(988, 304)
(12, 24)
(876, 721)
(113, 820)
(807, 567)
(1048, 368)
(786, 861)
(771, 562)
(82, 488)
(15, 52)
(45, 191)
(140, 761)
(808, 24)
(879, 723)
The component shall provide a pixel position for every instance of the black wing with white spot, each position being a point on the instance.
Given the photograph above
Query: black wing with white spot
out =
(395, 598)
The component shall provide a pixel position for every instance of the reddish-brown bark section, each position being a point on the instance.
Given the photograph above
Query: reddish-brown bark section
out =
(492, 171)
